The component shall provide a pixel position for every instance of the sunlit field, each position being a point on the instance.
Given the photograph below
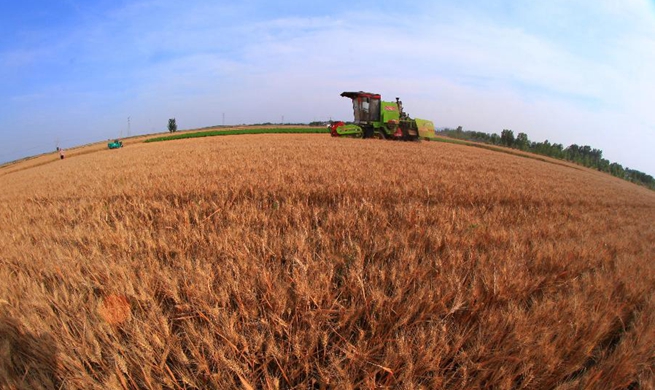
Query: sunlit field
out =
(305, 261)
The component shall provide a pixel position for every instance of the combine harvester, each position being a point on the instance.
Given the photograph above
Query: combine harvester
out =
(375, 118)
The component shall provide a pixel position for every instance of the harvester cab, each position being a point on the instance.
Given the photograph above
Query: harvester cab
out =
(375, 118)
(366, 106)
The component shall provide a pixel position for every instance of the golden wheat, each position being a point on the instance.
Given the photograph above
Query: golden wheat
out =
(280, 261)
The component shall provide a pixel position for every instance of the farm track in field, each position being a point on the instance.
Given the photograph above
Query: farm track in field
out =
(283, 261)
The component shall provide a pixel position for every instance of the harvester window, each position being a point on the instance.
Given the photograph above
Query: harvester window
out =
(375, 109)
(366, 109)
(365, 114)
(357, 110)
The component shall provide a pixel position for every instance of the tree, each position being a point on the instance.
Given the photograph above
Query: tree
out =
(617, 170)
(507, 138)
(522, 142)
(573, 153)
(172, 126)
(557, 151)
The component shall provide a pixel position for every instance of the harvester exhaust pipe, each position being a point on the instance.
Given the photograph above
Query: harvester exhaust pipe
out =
(399, 103)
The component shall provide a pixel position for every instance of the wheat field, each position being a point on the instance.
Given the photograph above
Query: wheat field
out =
(305, 261)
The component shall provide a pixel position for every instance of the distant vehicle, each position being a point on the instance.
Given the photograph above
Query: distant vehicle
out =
(115, 144)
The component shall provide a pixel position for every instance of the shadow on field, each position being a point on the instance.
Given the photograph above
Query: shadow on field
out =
(27, 361)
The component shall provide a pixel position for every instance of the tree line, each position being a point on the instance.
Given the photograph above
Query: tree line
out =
(583, 155)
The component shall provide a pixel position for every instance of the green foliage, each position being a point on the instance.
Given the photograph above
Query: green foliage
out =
(583, 155)
(507, 138)
(200, 134)
(522, 142)
(172, 125)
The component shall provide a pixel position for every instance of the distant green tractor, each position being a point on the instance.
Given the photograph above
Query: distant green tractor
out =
(375, 118)
(115, 144)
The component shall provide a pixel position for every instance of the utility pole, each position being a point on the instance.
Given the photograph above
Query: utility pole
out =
(223, 119)
(128, 126)
(282, 120)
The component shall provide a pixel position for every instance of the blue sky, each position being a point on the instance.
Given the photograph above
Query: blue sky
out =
(570, 71)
